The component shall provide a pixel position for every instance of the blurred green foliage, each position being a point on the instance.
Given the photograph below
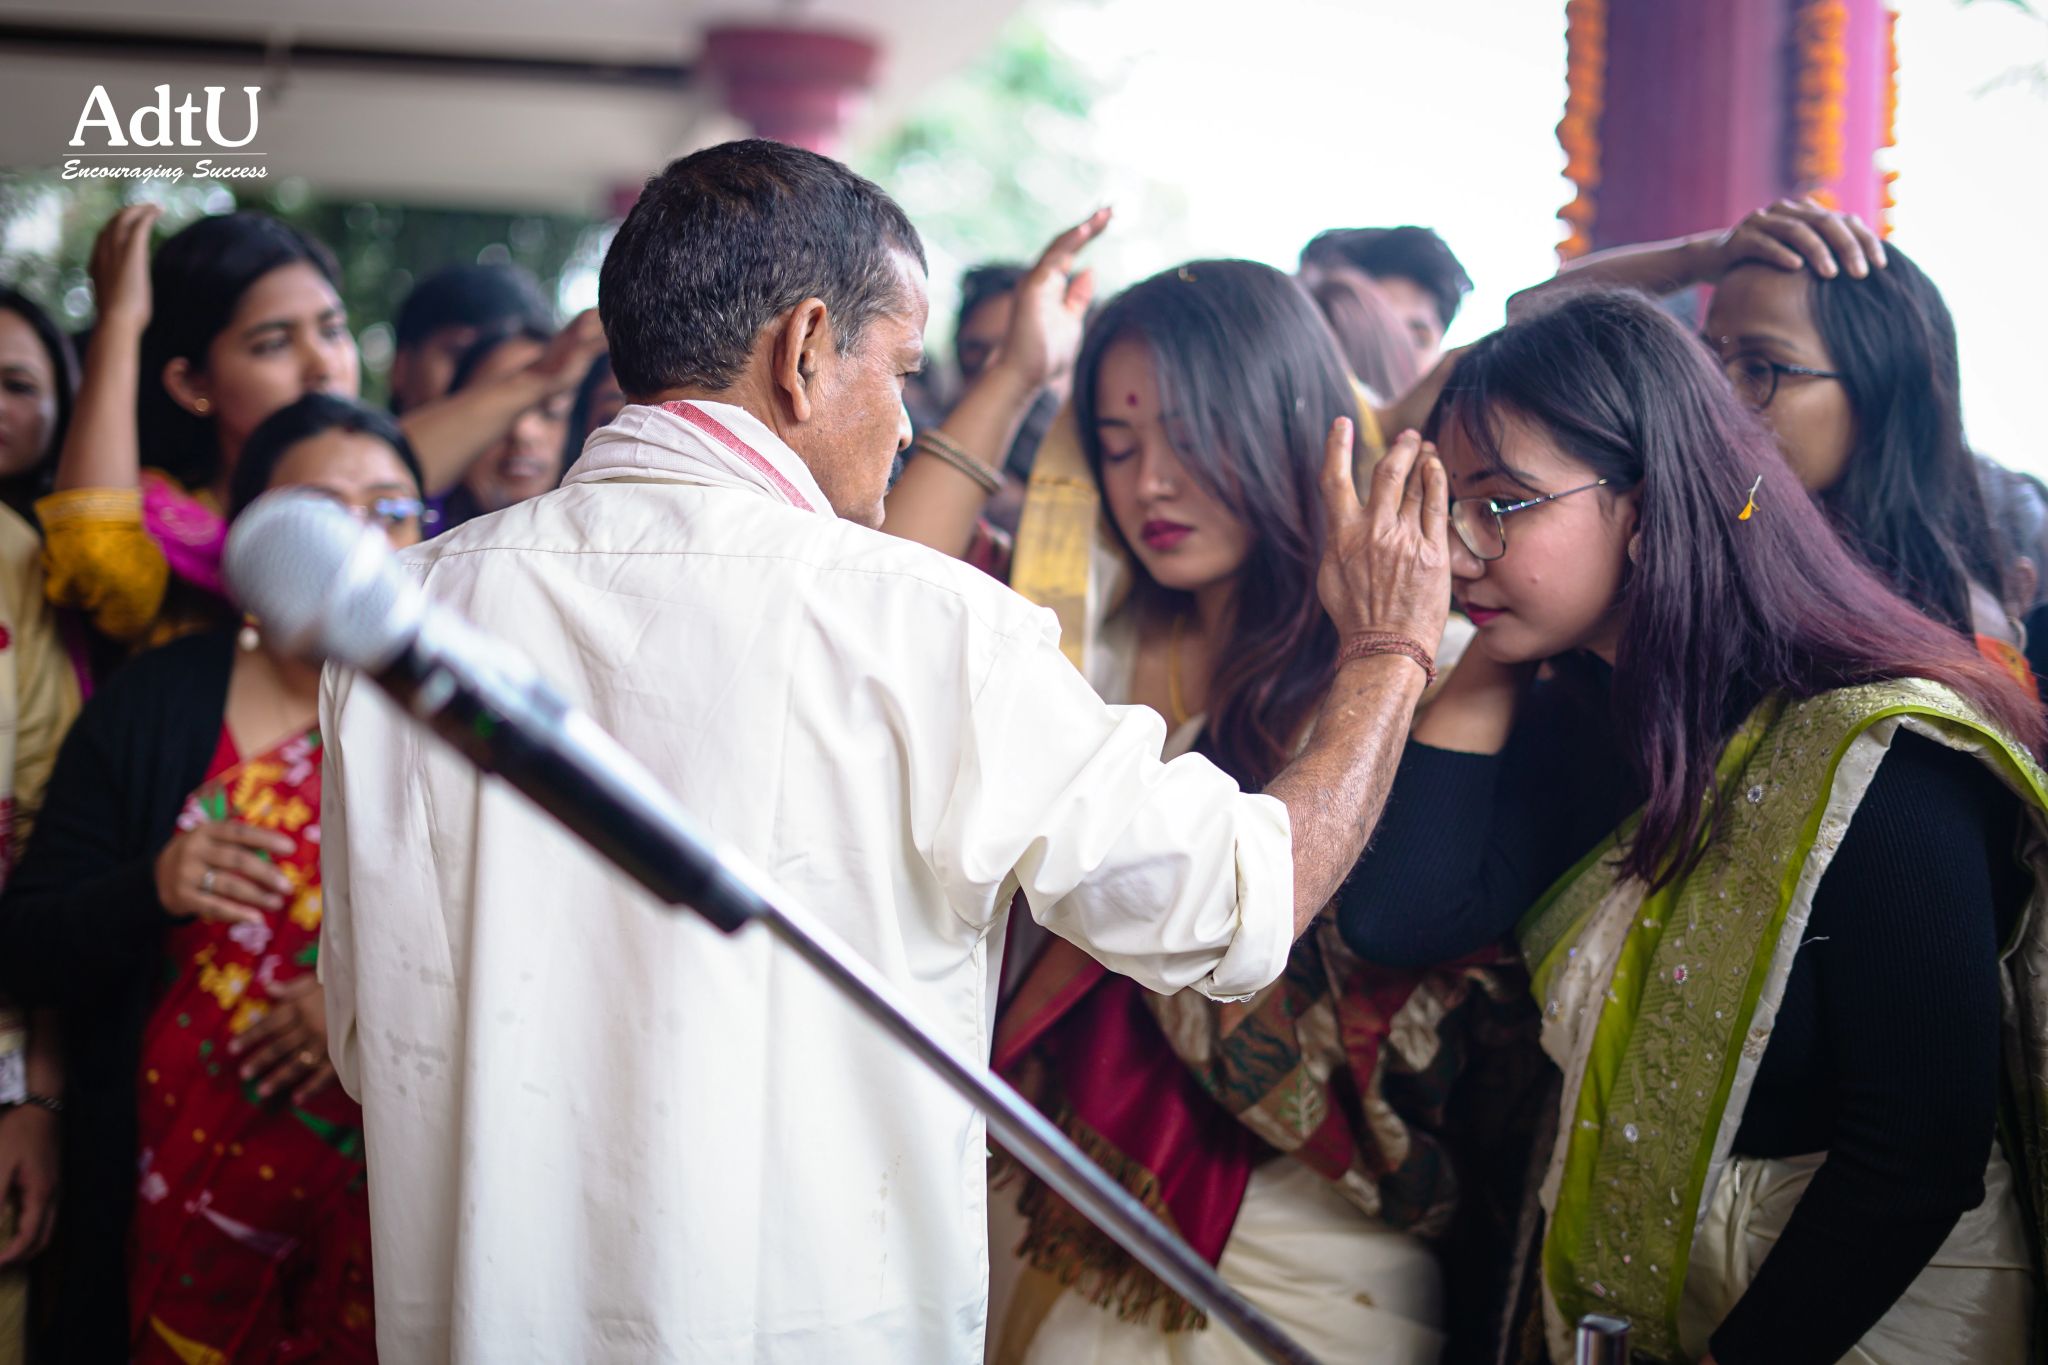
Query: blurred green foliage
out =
(993, 162)
(47, 228)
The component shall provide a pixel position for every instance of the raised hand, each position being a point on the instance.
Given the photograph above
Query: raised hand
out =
(1386, 563)
(1052, 302)
(120, 268)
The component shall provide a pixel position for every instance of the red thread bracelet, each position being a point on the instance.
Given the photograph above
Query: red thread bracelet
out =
(1378, 642)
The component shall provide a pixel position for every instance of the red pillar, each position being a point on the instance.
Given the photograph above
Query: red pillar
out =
(1683, 115)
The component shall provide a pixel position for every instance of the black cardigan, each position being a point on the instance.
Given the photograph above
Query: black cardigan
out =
(1886, 1049)
(81, 929)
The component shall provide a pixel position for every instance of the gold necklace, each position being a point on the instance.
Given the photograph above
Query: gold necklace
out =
(1178, 710)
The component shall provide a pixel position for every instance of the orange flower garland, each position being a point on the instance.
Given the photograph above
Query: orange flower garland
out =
(1888, 135)
(1579, 131)
(1820, 93)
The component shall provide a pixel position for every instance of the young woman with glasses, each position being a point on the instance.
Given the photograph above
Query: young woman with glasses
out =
(1755, 829)
(1846, 348)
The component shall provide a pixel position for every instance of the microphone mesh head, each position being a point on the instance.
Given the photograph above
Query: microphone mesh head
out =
(322, 582)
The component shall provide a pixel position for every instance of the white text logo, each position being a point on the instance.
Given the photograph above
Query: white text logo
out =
(150, 125)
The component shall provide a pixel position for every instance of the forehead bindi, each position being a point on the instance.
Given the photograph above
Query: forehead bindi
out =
(1126, 385)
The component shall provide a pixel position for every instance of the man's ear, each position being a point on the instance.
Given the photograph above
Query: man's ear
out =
(800, 341)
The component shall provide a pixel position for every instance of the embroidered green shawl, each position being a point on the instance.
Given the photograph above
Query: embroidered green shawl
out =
(1658, 1008)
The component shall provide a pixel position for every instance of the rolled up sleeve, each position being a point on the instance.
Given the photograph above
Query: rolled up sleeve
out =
(100, 559)
(1163, 872)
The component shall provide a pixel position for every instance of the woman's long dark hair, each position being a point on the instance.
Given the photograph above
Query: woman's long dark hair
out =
(1719, 612)
(1908, 498)
(1253, 374)
(196, 282)
(63, 371)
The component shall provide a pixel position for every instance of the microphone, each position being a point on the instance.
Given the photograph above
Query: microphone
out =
(326, 586)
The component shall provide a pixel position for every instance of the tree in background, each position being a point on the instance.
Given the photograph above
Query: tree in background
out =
(996, 160)
(990, 165)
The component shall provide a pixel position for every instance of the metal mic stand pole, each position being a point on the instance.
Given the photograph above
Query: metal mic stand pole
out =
(566, 764)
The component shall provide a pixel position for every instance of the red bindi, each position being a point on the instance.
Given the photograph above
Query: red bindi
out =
(1130, 400)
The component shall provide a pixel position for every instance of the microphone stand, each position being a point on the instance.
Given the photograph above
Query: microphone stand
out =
(544, 748)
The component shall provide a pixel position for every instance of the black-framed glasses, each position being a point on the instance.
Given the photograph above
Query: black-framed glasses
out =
(1755, 377)
(1481, 524)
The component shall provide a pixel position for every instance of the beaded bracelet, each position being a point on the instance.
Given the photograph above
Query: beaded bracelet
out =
(1375, 642)
(932, 443)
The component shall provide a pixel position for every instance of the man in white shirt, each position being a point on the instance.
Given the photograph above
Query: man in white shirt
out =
(600, 1131)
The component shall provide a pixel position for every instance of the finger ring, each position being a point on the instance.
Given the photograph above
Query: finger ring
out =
(206, 882)
(308, 1057)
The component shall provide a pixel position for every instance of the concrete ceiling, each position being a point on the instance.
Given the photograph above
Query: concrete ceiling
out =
(536, 104)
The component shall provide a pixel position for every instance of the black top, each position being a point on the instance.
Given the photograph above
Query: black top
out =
(1886, 1050)
(81, 929)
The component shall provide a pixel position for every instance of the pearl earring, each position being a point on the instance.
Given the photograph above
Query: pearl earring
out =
(201, 406)
(249, 639)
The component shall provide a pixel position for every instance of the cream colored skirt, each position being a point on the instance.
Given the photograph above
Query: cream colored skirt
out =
(1973, 1303)
(1347, 1287)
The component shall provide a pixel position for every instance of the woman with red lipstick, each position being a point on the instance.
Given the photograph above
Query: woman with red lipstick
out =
(1776, 809)
(1299, 1139)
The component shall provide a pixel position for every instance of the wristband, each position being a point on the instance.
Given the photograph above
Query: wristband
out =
(1375, 642)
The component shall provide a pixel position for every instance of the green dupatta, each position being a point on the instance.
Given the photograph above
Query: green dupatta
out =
(1658, 1008)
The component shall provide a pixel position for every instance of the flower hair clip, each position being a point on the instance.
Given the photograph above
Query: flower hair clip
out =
(1749, 508)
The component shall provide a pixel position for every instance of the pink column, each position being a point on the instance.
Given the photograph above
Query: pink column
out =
(799, 86)
(1686, 114)
(1865, 112)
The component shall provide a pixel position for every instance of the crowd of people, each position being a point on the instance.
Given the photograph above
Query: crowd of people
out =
(1545, 827)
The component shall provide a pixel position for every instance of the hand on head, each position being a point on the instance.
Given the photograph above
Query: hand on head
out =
(120, 267)
(568, 356)
(1386, 563)
(1800, 234)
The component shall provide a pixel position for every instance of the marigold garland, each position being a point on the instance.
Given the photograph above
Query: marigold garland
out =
(1578, 132)
(1888, 133)
(1820, 97)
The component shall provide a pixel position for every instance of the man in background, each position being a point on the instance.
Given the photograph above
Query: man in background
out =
(1411, 267)
(445, 314)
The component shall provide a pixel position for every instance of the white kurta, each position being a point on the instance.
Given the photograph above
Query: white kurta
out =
(598, 1131)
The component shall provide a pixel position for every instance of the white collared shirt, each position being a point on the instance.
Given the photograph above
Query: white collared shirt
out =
(602, 1131)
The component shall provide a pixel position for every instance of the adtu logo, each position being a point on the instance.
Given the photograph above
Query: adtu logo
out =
(163, 124)
(150, 124)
